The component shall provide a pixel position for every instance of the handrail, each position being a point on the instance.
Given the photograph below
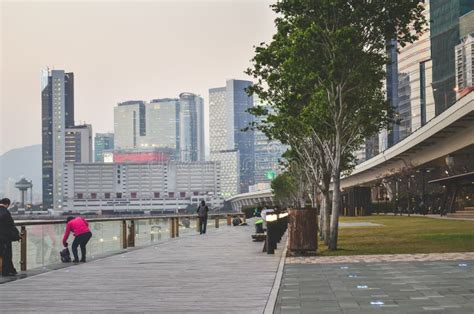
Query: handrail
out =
(20, 223)
(128, 227)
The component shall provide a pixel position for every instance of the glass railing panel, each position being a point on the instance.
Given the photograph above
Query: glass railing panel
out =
(186, 226)
(106, 238)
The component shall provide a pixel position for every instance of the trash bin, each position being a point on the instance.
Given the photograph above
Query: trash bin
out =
(259, 226)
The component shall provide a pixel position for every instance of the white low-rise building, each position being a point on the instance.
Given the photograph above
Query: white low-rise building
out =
(162, 186)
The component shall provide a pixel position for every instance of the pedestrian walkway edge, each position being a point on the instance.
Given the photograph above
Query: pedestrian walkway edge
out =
(272, 299)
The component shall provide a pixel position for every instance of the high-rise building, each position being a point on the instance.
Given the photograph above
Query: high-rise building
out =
(78, 144)
(102, 142)
(445, 35)
(465, 66)
(228, 117)
(57, 102)
(129, 124)
(421, 79)
(162, 125)
(268, 153)
(169, 124)
(191, 127)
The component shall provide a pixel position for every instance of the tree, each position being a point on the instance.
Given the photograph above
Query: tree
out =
(323, 72)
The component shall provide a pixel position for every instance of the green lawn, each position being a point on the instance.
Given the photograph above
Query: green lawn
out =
(404, 234)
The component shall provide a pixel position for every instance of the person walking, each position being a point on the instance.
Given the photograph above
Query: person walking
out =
(202, 214)
(82, 234)
(8, 234)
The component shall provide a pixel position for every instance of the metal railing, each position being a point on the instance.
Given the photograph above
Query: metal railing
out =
(109, 235)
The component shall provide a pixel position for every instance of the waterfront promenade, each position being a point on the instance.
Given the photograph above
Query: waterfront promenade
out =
(220, 272)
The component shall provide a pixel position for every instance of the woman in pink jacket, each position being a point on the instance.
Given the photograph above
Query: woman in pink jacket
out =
(82, 234)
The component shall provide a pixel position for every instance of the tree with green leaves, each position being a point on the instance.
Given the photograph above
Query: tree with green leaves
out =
(323, 75)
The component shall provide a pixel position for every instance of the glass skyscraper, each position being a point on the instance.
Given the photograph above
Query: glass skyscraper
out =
(191, 127)
(57, 113)
(129, 124)
(228, 117)
(267, 153)
(445, 35)
(421, 81)
(162, 117)
(102, 142)
(174, 125)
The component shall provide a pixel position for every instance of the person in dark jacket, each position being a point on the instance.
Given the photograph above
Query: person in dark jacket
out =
(202, 214)
(8, 233)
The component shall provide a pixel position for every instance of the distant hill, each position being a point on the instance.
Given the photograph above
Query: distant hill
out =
(22, 162)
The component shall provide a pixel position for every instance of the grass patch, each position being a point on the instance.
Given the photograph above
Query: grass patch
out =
(403, 235)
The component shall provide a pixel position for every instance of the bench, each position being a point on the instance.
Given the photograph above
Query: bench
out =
(259, 237)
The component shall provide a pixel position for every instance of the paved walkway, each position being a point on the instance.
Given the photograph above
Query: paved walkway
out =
(417, 283)
(221, 272)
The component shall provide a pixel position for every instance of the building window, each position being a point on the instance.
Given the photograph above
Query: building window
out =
(93, 196)
(133, 195)
(182, 194)
(118, 195)
(80, 196)
(107, 195)
(171, 194)
(157, 194)
(195, 193)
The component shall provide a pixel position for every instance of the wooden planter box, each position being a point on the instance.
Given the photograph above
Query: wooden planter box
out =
(302, 231)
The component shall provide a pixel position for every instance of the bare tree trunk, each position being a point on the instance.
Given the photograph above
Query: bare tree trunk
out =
(336, 203)
(327, 220)
(322, 215)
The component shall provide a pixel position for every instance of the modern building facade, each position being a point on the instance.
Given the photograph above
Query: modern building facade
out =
(78, 144)
(228, 117)
(158, 186)
(102, 142)
(421, 80)
(268, 154)
(191, 127)
(162, 119)
(129, 124)
(175, 124)
(57, 103)
(465, 66)
(445, 35)
(229, 167)
(425, 161)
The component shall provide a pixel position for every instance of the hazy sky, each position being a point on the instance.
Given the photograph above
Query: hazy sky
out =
(119, 51)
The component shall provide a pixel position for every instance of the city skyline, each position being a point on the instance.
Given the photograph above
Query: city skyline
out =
(167, 66)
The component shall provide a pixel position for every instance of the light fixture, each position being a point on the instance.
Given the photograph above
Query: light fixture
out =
(271, 217)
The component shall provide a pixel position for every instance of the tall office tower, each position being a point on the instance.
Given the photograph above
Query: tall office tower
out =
(102, 142)
(162, 125)
(445, 35)
(409, 87)
(57, 102)
(415, 94)
(129, 124)
(78, 144)
(465, 64)
(389, 137)
(227, 118)
(191, 127)
(267, 153)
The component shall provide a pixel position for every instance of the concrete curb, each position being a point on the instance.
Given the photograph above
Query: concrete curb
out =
(272, 299)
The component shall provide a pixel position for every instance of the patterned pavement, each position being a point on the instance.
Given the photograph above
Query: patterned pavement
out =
(418, 283)
(381, 258)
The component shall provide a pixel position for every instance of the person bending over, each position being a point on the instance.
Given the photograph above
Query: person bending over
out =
(82, 234)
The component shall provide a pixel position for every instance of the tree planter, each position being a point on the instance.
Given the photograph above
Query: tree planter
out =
(302, 231)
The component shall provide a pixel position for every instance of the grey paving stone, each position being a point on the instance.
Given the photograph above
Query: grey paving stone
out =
(415, 287)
